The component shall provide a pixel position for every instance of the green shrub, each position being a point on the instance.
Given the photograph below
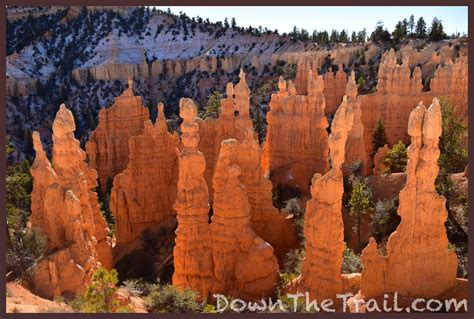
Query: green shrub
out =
(169, 299)
(396, 159)
(101, 296)
(26, 248)
(351, 262)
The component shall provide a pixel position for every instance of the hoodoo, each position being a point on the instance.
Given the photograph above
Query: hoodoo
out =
(233, 122)
(244, 264)
(274, 227)
(65, 209)
(108, 147)
(418, 261)
(193, 267)
(355, 148)
(324, 229)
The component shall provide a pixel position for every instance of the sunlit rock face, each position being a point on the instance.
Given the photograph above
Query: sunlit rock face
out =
(65, 209)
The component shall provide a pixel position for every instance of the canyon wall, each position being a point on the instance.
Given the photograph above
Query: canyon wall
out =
(143, 195)
(296, 142)
(65, 209)
(418, 261)
(108, 147)
(324, 229)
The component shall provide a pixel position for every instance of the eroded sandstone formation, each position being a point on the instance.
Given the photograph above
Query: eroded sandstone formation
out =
(296, 142)
(399, 89)
(451, 81)
(334, 84)
(193, 266)
(355, 148)
(379, 160)
(143, 195)
(244, 264)
(233, 122)
(65, 209)
(324, 229)
(274, 227)
(108, 147)
(418, 261)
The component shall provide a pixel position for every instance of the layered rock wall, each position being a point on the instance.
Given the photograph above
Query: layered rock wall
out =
(418, 261)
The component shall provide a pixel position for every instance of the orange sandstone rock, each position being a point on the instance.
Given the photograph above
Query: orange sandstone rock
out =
(399, 90)
(275, 228)
(418, 261)
(244, 264)
(64, 208)
(324, 229)
(108, 147)
(193, 266)
(233, 122)
(379, 160)
(355, 147)
(296, 143)
(334, 84)
(451, 81)
(143, 195)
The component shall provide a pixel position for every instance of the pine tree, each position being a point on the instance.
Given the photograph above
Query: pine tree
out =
(411, 24)
(343, 37)
(353, 37)
(233, 23)
(213, 103)
(396, 159)
(379, 138)
(437, 30)
(360, 204)
(420, 29)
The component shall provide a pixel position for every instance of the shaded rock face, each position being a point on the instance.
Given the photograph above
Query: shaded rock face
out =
(108, 147)
(355, 148)
(266, 220)
(399, 89)
(334, 84)
(233, 122)
(193, 265)
(296, 141)
(417, 252)
(244, 264)
(65, 209)
(143, 195)
(379, 160)
(324, 229)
